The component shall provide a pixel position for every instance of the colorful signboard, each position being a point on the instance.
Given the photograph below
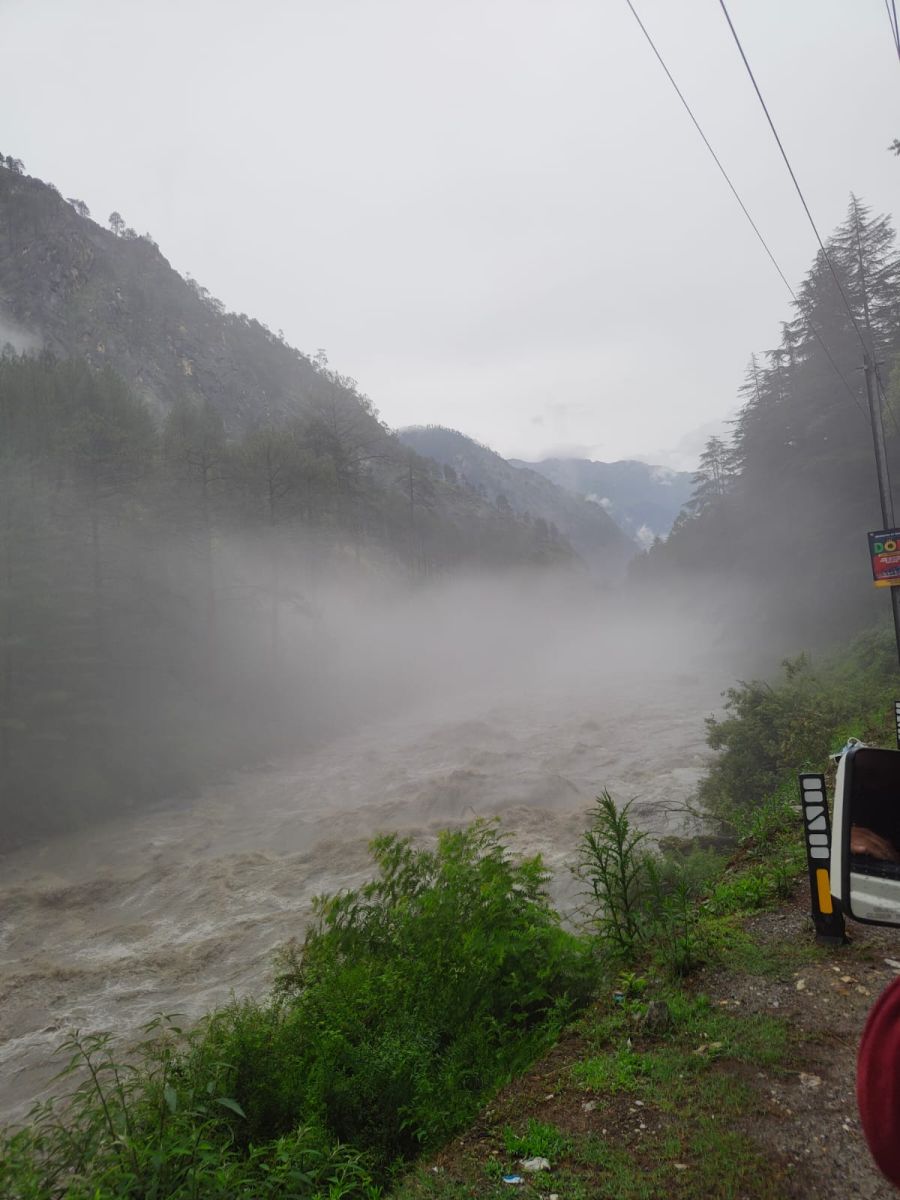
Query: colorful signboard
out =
(884, 550)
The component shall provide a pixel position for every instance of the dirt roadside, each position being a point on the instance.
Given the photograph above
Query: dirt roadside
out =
(814, 1123)
(748, 1094)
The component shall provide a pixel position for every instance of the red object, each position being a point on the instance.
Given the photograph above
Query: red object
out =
(878, 1081)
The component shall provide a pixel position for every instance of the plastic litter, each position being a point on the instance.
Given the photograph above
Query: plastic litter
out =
(850, 742)
(532, 1165)
(513, 1178)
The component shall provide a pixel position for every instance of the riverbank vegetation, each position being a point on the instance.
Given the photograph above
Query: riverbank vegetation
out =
(416, 997)
(408, 1002)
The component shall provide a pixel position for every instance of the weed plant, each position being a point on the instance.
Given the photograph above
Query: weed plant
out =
(538, 1140)
(155, 1128)
(638, 903)
(612, 867)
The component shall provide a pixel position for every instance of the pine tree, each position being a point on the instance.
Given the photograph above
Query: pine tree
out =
(714, 477)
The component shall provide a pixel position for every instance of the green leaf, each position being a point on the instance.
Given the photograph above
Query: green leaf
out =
(232, 1104)
(171, 1098)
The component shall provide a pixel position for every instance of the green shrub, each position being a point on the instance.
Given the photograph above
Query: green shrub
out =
(409, 1000)
(639, 904)
(612, 866)
(156, 1129)
(673, 921)
(417, 993)
(774, 730)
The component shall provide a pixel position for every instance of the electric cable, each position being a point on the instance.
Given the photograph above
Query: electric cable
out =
(787, 163)
(806, 209)
(744, 210)
(891, 6)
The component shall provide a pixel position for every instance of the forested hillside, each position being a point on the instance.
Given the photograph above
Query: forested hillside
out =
(161, 610)
(517, 488)
(179, 490)
(779, 512)
(109, 297)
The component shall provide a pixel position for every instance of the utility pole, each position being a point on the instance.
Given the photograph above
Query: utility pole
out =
(882, 469)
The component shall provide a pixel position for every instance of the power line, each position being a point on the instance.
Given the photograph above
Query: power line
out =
(787, 163)
(743, 207)
(706, 142)
(891, 6)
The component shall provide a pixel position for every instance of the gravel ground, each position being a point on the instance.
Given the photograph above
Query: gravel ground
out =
(814, 1121)
(804, 1124)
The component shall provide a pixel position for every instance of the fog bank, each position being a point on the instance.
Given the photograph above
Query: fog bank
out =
(518, 697)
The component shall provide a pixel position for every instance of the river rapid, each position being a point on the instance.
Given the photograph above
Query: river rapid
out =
(178, 908)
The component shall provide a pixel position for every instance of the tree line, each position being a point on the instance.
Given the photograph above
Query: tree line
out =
(163, 588)
(782, 505)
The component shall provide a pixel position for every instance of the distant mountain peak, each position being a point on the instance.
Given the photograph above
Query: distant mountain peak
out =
(642, 498)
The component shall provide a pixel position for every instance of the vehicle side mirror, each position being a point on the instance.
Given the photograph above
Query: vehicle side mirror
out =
(865, 853)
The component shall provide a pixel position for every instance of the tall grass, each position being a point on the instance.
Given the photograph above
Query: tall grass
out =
(640, 904)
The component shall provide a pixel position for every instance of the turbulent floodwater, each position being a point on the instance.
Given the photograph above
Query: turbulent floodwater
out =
(174, 910)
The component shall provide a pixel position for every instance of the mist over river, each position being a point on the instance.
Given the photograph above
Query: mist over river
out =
(174, 909)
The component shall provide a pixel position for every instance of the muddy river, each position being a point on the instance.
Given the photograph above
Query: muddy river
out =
(176, 909)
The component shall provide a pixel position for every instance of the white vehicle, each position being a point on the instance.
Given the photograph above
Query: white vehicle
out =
(865, 845)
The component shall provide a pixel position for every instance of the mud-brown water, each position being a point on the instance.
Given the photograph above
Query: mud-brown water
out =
(175, 909)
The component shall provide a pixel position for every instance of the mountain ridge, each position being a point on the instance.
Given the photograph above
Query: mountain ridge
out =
(81, 290)
(589, 529)
(643, 499)
(110, 297)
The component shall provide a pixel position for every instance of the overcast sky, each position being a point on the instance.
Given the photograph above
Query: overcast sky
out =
(492, 213)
